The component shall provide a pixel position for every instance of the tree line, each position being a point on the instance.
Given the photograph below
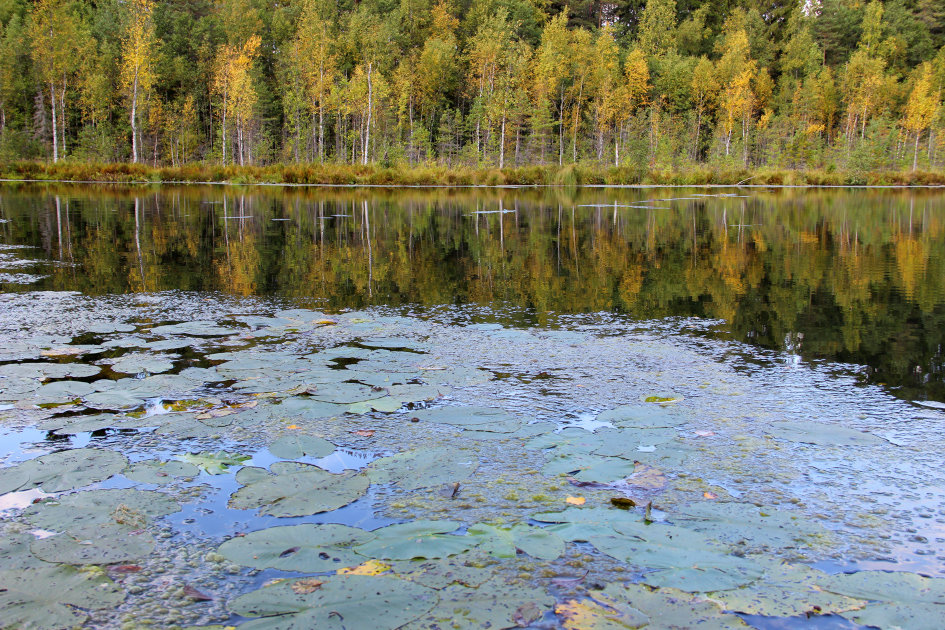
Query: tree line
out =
(818, 84)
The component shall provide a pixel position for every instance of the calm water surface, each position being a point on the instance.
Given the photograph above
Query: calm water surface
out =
(853, 276)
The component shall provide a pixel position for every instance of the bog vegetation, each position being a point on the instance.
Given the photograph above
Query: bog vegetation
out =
(637, 86)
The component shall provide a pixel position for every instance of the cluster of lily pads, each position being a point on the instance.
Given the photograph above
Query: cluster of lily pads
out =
(302, 383)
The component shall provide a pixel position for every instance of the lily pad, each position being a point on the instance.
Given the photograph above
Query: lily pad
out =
(496, 604)
(195, 329)
(215, 463)
(344, 601)
(647, 416)
(630, 443)
(302, 548)
(293, 446)
(886, 586)
(671, 608)
(505, 542)
(465, 569)
(113, 399)
(419, 539)
(412, 470)
(786, 590)
(135, 364)
(49, 370)
(95, 544)
(823, 434)
(387, 404)
(54, 598)
(298, 490)
(98, 507)
(899, 615)
(588, 467)
(602, 614)
(750, 525)
(76, 468)
(345, 393)
(62, 390)
(159, 472)
(13, 478)
(475, 418)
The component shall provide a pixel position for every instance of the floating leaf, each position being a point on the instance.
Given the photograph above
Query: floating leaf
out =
(13, 478)
(297, 445)
(302, 548)
(576, 500)
(587, 467)
(492, 605)
(786, 590)
(419, 539)
(371, 567)
(195, 329)
(424, 468)
(215, 463)
(475, 418)
(505, 542)
(95, 544)
(350, 601)
(671, 608)
(345, 393)
(604, 615)
(643, 416)
(102, 507)
(298, 490)
(898, 586)
(49, 370)
(136, 364)
(748, 524)
(465, 569)
(54, 598)
(823, 434)
(68, 470)
(159, 472)
(899, 615)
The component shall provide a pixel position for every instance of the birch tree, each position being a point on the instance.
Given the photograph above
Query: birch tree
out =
(137, 60)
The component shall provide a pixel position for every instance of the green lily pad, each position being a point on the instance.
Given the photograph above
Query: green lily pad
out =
(475, 418)
(71, 425)
(68, 470)
(823, 434)
(600, 613)
(295, 489)
(215, 463)
(49, 370)
(631, 443)
(98, 507)
(309, 409)
(465, 569)
(95, 544)
(15, 551)
(496, 604)
(195, 329)
(419, 539)
(62, 390)
(750, 525)
(345, 393)
(570, 440)
(598, 516)
(54, 598)
(136, 364)
(13, 478)
(297, 445)
(158, 472)
(886, 586)
(671, 608)
(899, 615)
(504, 542)
(343, 601)
(786, 590)
(113, 399)
(302, 548)
(588, 467)
(643, 416)
(387, 404)
(412, 470)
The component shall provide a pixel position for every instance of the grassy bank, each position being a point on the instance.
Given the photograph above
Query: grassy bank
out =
(346, 174)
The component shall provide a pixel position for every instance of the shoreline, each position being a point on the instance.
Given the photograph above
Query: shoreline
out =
(357, 176)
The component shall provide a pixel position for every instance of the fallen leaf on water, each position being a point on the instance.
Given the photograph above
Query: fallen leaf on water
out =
(705, 433)
(646, 477)
(194, 594)
(623, 503)
(588, 615)
(526, 614)
(306, 585)
(575, 500)
(61, 352)
(326, 322)
(125, 568)
(371, 567)
(710, 495)
(363, 432)
(293, 426)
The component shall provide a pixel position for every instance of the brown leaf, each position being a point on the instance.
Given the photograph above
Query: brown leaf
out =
(576, 500)
(306, 585)
(710, 495)
(125, 568)
(623, 503)
(364, 432)
(526, 614)
(61, 352)
(194, 594)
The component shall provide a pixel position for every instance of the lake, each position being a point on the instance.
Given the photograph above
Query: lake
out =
(253, 405)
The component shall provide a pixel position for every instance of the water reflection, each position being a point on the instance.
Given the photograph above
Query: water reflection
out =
(854, 276)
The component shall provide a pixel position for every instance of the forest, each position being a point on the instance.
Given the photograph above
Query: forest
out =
(830, 85)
